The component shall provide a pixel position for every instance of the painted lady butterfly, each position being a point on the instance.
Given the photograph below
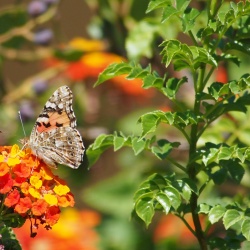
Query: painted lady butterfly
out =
(54, 138)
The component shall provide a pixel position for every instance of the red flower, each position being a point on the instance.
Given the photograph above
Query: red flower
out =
(23, 205)
(12, 198)
(52, 215)
(6, 183)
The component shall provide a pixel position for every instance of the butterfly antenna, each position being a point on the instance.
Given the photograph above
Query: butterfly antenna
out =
(21, 120)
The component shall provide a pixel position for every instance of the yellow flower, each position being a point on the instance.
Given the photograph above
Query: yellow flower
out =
(13, 158)
(34, 192)
(61, 189)
(50, 199)
(35, 182)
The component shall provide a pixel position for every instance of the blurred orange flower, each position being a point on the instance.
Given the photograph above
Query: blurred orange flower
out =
(171, 226)
(94, 61)
(75, 230)
(30, 189)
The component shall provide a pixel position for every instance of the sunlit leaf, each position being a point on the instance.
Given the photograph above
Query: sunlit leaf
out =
(231, 216)
(216, 213)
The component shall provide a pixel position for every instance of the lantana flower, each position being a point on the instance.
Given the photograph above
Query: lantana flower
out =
(29, 188)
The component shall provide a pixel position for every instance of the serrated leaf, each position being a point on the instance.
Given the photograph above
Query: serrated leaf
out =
(94, 151)
(155, 4)
(245, 228)
(149, 123)
(225, 153)
(168, 12)
(216, 213)
(145, 210)
(189, 18)
(204, 208)
(114, 69)
(103, 140)
(231, 217)
(138, 145)
(163, 149)
(172, 86)
(118, 142)
(152, 81)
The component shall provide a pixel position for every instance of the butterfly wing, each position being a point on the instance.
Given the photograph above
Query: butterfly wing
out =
(62, 145)
(54, 137)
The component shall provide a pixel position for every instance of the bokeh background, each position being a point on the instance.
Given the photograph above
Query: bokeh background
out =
(49, 43)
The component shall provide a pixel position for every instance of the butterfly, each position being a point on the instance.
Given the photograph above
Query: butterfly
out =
(54, 138)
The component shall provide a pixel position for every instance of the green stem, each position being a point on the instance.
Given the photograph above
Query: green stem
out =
(193, 38)
(192, 175)
(184, 133)
(177, 164)
(187, 225)
(199, 233)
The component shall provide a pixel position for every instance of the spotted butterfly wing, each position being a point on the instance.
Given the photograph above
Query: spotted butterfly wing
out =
(54, 138)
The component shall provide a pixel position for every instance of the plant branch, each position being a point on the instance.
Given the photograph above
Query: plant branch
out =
(176, 164)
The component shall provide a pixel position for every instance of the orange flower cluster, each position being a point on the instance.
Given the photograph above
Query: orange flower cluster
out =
(30, 189)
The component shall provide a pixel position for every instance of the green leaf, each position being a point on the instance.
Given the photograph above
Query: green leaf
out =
(101, 144)
(145, 210)
(174, 196)
(13, 220)
(8, 238)
(164, 201)
(189, 18)
(216, 213)
(149, 122)
(119, 142)
(163, 149)
(103, 140)
(219, 176)
(158, 180)
(172, 87)
(155, 4)
(204, 208)
(138, 145)
(176, 9)
(219, 90)
(235, 169)
(153, 80)
(183, 188)
(160, 192)
(114, 69)
(245, 228)
(231, 217)
(168, 12)
(184, 56)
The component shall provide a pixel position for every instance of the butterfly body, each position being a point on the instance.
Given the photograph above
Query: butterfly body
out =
(54, 138)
